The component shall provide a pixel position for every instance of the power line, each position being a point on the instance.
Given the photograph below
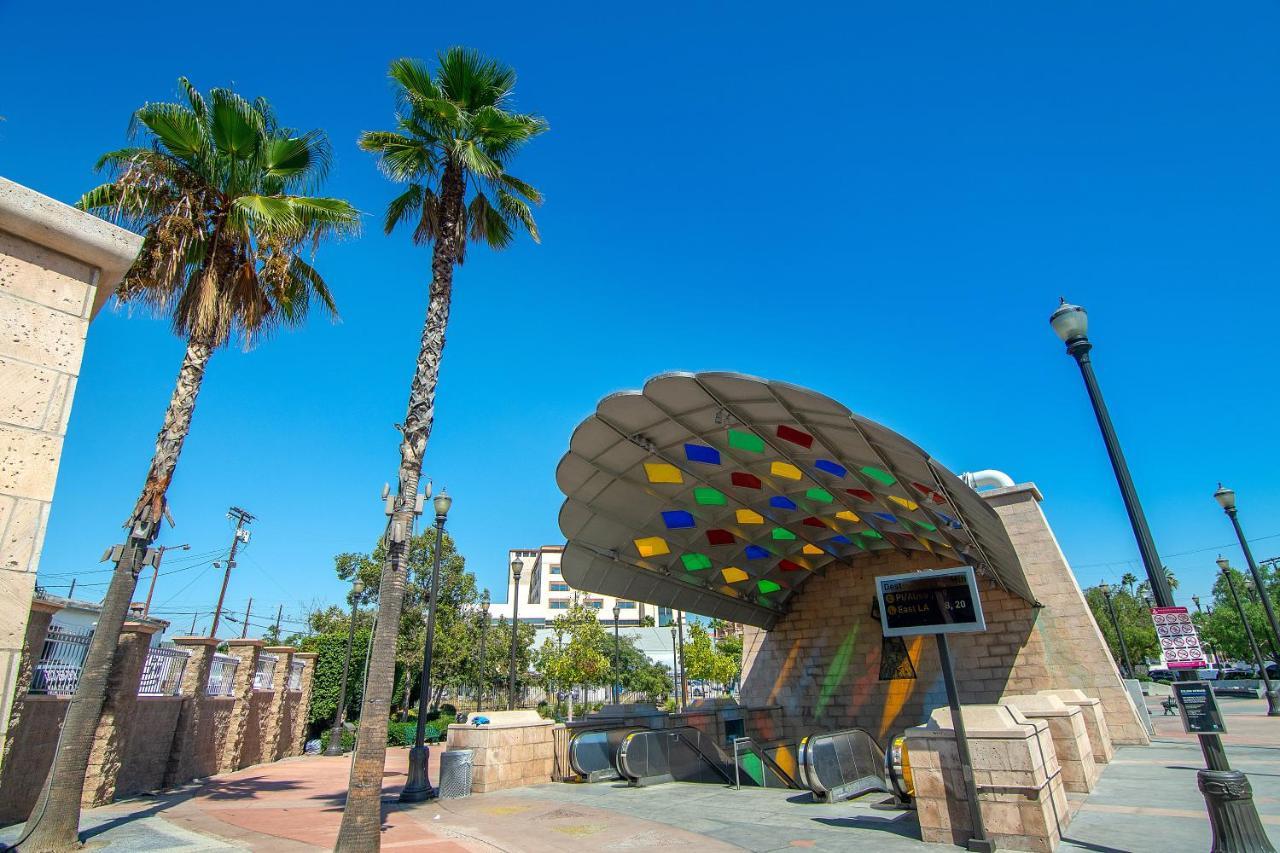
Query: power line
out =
(1133, 562)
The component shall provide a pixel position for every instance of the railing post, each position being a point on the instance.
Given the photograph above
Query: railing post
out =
(272, 725)
(32, 645)
(183, 755)
(118, 712)
(248, 652)
(302, 701)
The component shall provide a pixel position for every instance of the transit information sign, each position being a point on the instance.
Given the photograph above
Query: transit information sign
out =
(1178, 638)
(1199, 707)
(943, 601)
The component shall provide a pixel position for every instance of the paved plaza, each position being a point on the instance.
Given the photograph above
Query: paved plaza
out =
(1146, 800)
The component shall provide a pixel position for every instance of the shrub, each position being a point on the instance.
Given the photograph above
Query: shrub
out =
(348, 740)
(448, 710)
(401, 734)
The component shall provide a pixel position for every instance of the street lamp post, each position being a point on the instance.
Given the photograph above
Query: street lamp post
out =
(517, 566)
(675, 669)
(1273, 700)
(1115, 623)
(155, 574)
(335, 734)
(484, 656)
(684, 673)
(419, 787)
(1226, 498)
(617, 646)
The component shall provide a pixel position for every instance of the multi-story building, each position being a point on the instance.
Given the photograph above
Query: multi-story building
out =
(544, 594)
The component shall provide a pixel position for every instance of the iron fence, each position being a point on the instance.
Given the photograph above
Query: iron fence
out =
(58, 670)
(264, 675)
(222, 675)
(295, 675)
(162, 672)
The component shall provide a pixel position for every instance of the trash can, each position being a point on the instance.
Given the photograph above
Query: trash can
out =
(455, 773)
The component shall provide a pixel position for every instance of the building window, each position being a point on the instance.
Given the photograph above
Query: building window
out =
(595, 603)
(626, 605)
(555, 570)
(558, 604)
(558, 586)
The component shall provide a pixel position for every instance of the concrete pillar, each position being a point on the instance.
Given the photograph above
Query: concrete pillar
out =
(116, 722)
(247, 651)
(303, 707)
(183, 765)
(38, 622)
(272, 723)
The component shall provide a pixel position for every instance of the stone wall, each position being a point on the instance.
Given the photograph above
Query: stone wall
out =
(821, 662)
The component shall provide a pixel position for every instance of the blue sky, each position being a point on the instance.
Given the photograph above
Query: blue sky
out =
(882, 202)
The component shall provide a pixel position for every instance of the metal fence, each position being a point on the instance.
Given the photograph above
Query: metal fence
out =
(295, 675)
(58, 670)
(222, 675)
(162, 673)
(264, 675)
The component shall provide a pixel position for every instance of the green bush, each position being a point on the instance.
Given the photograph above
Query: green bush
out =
(447, 709)
(348, 740)
(401, 734)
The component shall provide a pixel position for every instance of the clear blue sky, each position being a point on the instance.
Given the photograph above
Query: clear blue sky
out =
(880, 202)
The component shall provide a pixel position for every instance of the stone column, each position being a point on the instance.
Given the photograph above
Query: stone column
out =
(185, 762)
(38, 622)
(248, 652)
(303, 712)
(116, 721)
(272, 723)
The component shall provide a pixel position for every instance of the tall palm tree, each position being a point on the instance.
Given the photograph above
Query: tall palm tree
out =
(455, 136)
(219, 193)
(1127, 580)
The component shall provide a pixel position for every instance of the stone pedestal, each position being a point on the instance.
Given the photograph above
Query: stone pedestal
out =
(1070, 739)
(115, 723)
(1023, 803)
(515, 748)
(273, 724)
(248, 652)
(1095, 723)
(303, 702)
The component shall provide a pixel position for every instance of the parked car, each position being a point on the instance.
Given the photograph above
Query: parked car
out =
(1236, 673)
(1159, 674)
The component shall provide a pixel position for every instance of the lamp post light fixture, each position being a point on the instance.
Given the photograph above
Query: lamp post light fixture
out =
(335, 734)
(1071, 324)
(1115, 623)
(617, 649)
(1226, 499)
(517, 566)
(419, 787)
(484, 657)
(1195, 599)
(1273, 699)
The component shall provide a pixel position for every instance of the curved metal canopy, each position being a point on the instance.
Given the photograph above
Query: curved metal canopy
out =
(720, 494)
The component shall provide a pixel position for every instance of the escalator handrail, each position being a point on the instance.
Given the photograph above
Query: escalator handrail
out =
(768, 760)
(805, 754)
(712, 761)
(593, 729)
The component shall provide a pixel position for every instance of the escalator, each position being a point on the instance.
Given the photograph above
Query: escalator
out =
(593, 752)
(844, 764)
(652, 756)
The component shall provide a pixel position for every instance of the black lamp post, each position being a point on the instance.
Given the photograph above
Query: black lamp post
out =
(1115, 623)
(517, 566)
(1195, 599)
(617, 647)
(1273, 700)
(675, 668)
(335, 734)
(419, 787)
(684, 673)
(1226, 498)
(484, 656)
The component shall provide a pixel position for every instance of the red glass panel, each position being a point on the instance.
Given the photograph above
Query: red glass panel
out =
(861, 494)
(746, 481)
(814, 521)
(719, 537)
(795, 436)
(788, 566)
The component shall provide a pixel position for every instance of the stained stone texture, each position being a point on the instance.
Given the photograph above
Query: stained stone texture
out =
(57, 266)
(1095, 724)
(1015, 768)
(515, 748)
(1070, 739)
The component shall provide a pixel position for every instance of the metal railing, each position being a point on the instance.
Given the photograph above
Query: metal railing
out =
(264, 675)
(58, 670)
(295, 676)
(162, 672)
(222, 675)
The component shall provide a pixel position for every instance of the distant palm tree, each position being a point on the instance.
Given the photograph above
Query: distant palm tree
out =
(219, 196)
(455, 136)
(1128, 580)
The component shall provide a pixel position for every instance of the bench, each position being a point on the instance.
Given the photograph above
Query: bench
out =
(1169, 705)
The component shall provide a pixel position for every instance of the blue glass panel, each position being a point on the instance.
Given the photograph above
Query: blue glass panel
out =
(755, 552)
(699, 453)
(780, 502)
(948, 520)
(886, 516)
(830, 467)
(843, 540)
(675, 519)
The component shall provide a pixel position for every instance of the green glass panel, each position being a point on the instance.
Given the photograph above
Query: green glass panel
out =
(822, 496)
(708, 497)
(878, 475)
(870, 534)
(752, 766)
(746, 441)
(695, 562)
(923, 525)
(783, 533)
(767, 587)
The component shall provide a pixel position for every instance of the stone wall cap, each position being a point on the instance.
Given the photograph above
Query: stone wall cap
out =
(39, 605)
(1009, 491)
(506, 720)
(238, 642)
(1039, 705)
(279, 650)
(140, 627)
(306, 655)
(983, 721)
(196, 641)
(1072, 696)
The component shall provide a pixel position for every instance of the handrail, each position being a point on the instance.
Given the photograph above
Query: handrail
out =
(830, 767)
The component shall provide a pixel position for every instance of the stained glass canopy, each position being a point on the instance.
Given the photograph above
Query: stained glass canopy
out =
(720, 494)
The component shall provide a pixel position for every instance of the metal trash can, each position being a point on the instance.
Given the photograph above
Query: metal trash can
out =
(455, 773)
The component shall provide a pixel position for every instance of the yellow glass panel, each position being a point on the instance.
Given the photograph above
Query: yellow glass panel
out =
(813, 550)
(734, 574)
(652, 546)
(904, 502)
(785, 470)
(746, 516)
(661, 472)
(847, 516)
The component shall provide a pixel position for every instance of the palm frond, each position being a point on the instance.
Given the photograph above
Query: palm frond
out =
(403, 206)
(413, 79)
(237, 127)
(175, 127)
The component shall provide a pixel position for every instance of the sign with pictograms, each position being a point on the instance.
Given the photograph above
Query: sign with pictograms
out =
(1178, 638)
(943, 601)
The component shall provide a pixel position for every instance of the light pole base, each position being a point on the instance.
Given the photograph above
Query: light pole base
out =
(1273, 702)
(334, 749)
(1233, 817)
(418, 789)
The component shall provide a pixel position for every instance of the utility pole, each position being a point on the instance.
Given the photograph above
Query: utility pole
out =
(279, 613)
(71, 593)
(192, 632)
(241, 518)
(155, 573)
(244, 629)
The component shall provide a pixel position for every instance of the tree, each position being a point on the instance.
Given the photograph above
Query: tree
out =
(217, 192)
(704, 662)
(577, 656)
(1134, 618)
(455, 137)
(1221, 627)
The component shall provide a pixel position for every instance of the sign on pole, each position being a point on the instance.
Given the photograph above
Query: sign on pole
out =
(941, 601)
(1179, 641)
(1199, 708)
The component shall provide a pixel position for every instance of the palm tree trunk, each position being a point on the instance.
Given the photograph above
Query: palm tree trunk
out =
(54, 823)
(362, 815)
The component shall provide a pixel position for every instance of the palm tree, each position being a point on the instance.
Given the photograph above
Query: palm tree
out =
(1127, 580)
(218, 193)
(455, 135)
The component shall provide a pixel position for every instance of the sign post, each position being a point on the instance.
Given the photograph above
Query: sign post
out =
(940, 603)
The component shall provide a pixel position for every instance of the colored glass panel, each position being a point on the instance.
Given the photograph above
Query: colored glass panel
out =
(719, 537)
(651, 546)
(783, 469)
(780, 502)
(811, 550)
(783, 534)
(788, 566)
(884, 516)
(923, 525)
(831, 467)
(870, 534)
(677, 519)
(795, 436)
(746, 441)
(949, 521)
(846, 515)
(861, 494)
(701, 453)
(755, 552)
(814, 521)
(744, 480)
(708, 497)
(695, 562)
(843, 540)
(734, 574)
(767, 587)
(817, 495)
(661, 472)
(878, 475)
(904, 502)
(747, 516)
